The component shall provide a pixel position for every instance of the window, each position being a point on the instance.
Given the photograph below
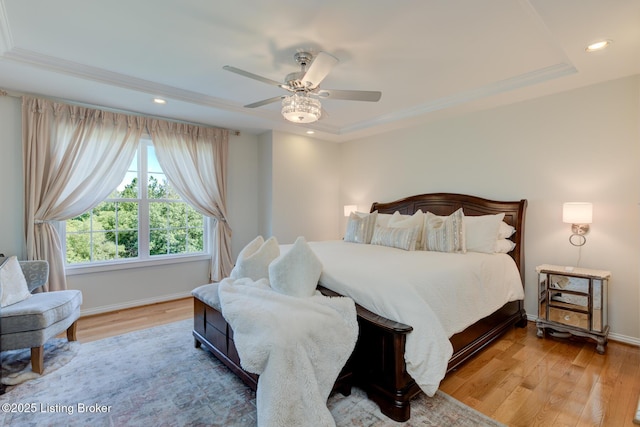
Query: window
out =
(137, 222)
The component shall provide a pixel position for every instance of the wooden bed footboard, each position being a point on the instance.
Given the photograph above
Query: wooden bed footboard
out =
(378, 363)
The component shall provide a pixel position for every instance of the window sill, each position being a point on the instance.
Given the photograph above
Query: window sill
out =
(76, 269)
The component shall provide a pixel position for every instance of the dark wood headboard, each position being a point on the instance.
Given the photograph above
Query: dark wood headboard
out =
(447, 203)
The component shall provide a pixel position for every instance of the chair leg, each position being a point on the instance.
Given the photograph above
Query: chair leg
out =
(71, 331)
(37, 359)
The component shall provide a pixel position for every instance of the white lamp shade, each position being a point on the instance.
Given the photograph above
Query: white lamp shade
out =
(577, 213)
(349, 208)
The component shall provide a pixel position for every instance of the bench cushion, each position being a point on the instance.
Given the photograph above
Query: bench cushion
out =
(40, 311)
(208, 294)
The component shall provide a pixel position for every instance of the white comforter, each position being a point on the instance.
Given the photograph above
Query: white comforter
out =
(297, 345)
(438, 294)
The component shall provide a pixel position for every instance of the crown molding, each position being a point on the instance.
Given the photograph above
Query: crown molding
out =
(520, 81)
(100, 75)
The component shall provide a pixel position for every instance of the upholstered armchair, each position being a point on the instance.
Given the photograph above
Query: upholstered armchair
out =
(32, 322)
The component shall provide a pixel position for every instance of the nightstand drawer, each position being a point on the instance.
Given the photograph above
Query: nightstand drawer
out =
(569, 300)
(571, 318)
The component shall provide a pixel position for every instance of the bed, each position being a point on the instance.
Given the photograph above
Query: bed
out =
(378, 363)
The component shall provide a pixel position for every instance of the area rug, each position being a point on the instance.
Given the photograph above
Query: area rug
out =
(16, 364)
(156, 377)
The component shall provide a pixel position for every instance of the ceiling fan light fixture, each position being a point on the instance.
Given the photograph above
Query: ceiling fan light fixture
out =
(301, 108)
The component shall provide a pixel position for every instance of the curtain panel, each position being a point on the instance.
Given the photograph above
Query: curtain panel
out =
(194, 159)
(73, 157)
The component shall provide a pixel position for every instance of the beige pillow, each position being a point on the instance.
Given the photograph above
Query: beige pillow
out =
(296, 272)
(409, 221)
(13, 285)
(253, 261)
(360, 227)
(444, 233)
(401, 238)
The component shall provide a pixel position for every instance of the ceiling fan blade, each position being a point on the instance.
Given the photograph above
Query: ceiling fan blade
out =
(252, 76)
(264, 102)
(351, 95)
(319, 68)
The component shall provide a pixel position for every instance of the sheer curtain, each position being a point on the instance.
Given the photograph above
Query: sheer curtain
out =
(73, 158)
(194, 158)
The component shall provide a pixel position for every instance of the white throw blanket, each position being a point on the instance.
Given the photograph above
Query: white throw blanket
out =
(297, 346)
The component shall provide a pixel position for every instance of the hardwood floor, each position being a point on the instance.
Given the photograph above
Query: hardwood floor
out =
(521, 380)
(119, 322)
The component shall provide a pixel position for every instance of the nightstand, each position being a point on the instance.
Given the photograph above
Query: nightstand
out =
(573, 301)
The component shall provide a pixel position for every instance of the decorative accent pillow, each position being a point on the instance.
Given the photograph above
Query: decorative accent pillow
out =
(251, 248)
(360, 227)
(394, 237)
(444, 233)
(296, 272)
(504, 246)
(254, 259)
(505, 231)
(408, 221)
(13, 285)
(481, 232)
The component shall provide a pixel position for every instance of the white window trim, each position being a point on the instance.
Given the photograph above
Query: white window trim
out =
(144, 260)
(96, 267)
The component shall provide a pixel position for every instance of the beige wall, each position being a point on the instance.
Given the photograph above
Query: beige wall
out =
(11, 181)
(582, 145)
(304, 190)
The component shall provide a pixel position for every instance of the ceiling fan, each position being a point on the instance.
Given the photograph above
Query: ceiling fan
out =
(304, 106)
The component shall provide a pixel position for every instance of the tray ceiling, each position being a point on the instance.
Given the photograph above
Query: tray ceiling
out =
(431, 59)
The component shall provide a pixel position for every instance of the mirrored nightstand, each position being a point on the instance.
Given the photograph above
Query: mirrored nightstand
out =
(573, 301)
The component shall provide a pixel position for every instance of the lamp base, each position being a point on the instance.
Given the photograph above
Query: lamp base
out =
(580, 228)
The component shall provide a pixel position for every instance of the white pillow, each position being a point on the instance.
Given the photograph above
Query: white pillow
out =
(393, 237)
(504, 246)
(296, 272)
(13, 285)
(251, 248)
(481, 232)
(505, 231)
(253, 261)
(383, 220)
(444, 233)
(409, 221)
(360, 227)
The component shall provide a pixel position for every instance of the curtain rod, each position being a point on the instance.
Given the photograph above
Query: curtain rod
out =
(13, 94)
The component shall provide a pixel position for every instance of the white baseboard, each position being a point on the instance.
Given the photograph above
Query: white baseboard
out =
(131, 304)
(612, 336)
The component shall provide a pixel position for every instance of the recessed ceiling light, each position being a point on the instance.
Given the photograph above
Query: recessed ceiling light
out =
(599, 45)
(159, 101)
(310, 132)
